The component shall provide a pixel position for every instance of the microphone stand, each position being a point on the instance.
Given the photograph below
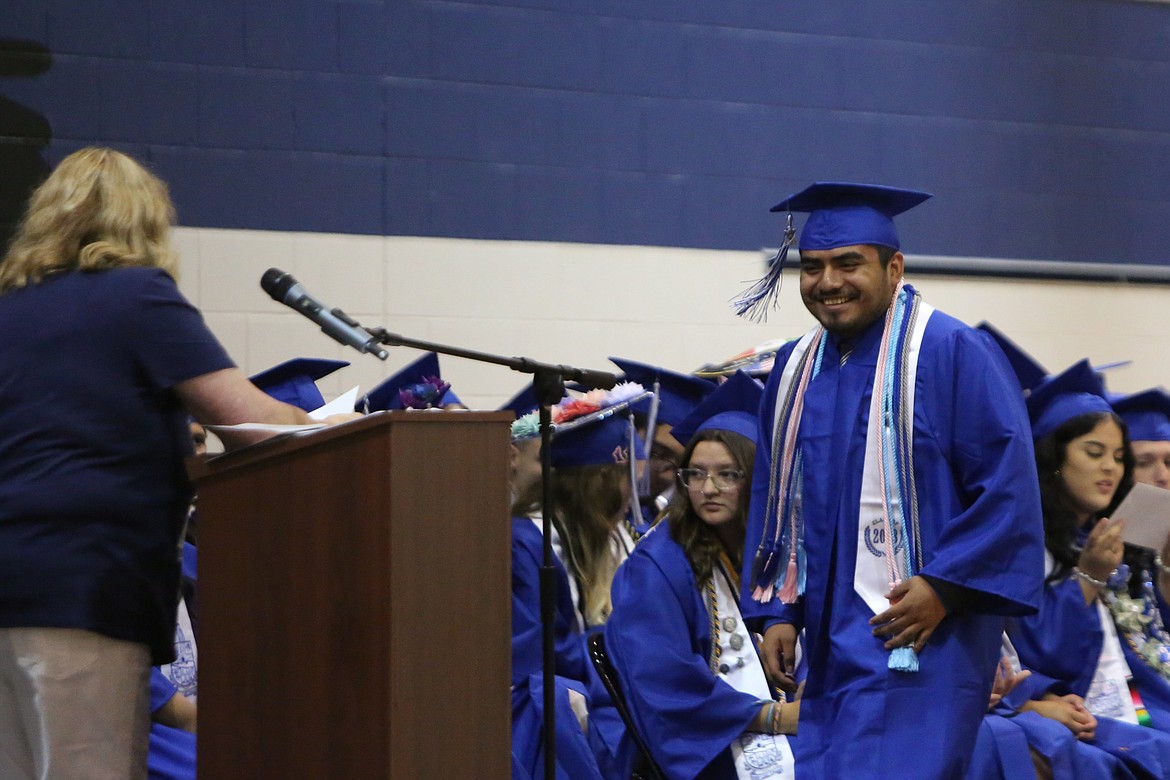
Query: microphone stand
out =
(549, 387)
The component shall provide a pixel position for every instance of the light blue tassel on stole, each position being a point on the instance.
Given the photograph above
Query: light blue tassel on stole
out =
(903, 659)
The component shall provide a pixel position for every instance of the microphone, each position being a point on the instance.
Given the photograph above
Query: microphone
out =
(334, 322)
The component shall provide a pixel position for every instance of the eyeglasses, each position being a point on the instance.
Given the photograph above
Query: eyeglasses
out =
(727, 479)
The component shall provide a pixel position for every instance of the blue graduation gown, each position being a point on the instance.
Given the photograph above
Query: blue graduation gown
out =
(606, 749)
(527, 659)
(1001, 751)
(659, 640)
(1062, 644)
(981, 530)
(1063, 640)
(171, 754)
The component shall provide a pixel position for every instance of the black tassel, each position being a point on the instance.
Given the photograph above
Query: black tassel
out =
(755, 301)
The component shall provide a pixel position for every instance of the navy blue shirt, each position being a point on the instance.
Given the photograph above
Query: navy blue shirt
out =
(93, 491)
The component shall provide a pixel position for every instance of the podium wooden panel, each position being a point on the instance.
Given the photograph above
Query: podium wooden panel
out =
(354, 610)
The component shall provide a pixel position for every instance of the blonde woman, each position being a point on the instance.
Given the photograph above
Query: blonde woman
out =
(103, 360)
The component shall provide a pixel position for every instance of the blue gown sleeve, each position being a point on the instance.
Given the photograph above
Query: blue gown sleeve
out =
(162, 690)
(1063, 640)
(993, 546)
(686, 714)
(527, 647)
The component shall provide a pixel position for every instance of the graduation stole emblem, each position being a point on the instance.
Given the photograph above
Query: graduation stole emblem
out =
(887, 532)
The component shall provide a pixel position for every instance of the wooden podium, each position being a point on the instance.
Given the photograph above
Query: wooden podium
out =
(354, 610)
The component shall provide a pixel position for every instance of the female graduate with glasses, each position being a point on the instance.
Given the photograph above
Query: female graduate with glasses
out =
(688, 665)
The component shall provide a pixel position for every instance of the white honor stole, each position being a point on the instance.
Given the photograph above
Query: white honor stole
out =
(757, 756)
(1108, 695)
(871, 575)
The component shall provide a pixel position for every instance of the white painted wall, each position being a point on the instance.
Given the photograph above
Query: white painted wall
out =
(578, 303)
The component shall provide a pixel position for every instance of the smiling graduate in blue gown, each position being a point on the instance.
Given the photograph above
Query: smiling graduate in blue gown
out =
(935, 500)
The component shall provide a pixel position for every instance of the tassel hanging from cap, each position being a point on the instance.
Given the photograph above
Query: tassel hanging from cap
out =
(755, 301)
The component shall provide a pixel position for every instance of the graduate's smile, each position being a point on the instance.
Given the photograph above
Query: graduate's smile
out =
(848, 288)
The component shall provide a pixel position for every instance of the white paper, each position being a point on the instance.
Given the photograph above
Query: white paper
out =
(342, 404)
(1146, 512)
(264, 427)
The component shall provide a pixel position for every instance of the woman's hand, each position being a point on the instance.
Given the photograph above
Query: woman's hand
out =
(1100, 557)
(1103, 550)
(1006, 680)
(1069, 710)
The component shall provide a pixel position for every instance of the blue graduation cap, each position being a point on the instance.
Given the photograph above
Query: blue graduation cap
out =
(603, 436)
(418, 385)
(734, 406)
(844, 213)
(523, 402)
(1029, 373)
(1075, 391)
(1146, 414)
(839, 214)
(295, 381)
(678, 394)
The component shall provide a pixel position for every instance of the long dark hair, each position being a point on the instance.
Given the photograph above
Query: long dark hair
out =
(696, 538)
(1060, 515)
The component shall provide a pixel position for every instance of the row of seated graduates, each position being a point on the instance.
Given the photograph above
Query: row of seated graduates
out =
(605, 507)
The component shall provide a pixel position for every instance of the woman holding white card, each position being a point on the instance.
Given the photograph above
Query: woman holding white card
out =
(1082, 675)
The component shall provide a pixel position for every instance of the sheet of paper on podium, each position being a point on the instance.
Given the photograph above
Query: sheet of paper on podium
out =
(342, 404)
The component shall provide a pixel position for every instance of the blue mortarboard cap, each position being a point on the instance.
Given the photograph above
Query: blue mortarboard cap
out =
(1028, 372)
(295, 381)
(1146, 414)
(1075, 391)
(678, 394)
(844, 214)
(599, 437)
(734, 406)
(413, 378)
(523, 402)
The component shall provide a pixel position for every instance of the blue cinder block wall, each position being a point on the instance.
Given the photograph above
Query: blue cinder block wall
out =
(1043, 126)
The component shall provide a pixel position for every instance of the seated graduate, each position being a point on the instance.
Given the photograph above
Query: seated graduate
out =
(417, 385)
(596, 455)
(675, 396)
(688, 664)
(174, 686)
(1141, 614)
(588, 439)
(1085, 467)
(1015, 744)
(1147, 414)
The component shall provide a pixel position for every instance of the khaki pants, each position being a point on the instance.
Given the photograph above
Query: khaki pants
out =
(73, 704)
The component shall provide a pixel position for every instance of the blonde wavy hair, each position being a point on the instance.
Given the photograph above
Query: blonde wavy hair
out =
(98, 209)
(590, 501)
